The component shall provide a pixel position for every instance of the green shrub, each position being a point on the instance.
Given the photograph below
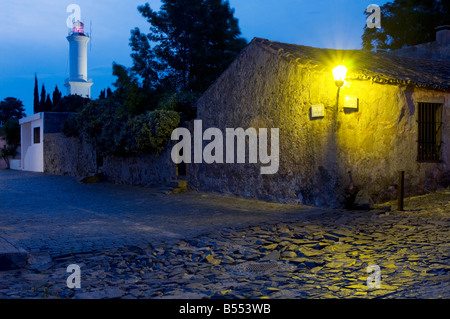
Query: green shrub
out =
(111, 130)
(154, 129)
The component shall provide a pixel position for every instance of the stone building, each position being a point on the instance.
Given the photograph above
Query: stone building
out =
(392, 114)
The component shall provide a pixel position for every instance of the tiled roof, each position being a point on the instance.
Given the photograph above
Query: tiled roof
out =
(365, 65)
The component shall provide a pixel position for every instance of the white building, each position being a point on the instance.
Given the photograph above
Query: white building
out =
(33, 130)
(78, 82)
(32, 147)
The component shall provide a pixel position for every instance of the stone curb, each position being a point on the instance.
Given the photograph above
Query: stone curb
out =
(11, 257)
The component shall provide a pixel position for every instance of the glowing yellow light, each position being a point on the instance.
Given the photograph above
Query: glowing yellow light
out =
(339, 74)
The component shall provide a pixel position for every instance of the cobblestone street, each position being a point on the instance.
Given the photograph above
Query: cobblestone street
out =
(138, 243)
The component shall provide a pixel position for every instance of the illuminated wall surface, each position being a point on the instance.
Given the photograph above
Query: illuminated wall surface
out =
(273, 85)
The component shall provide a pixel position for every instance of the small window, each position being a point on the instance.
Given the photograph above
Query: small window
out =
(430, 132)
(37, 135)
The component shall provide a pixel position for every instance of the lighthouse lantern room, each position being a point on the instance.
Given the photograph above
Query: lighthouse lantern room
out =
(78, 28)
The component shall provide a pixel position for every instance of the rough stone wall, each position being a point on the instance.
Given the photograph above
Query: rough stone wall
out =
(262, 90)
(380, 139)
(142, 170)
(68, 156)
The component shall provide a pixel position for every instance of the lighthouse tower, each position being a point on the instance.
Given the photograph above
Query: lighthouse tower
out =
(78, 83)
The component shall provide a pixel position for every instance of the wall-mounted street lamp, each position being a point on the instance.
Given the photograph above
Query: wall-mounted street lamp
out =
(339, 74)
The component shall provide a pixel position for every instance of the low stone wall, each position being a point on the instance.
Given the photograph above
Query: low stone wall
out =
(70, 156)
(142, 170)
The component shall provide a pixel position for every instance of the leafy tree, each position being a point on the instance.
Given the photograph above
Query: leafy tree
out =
(128, 92)
(195, 40)
(11, 108)
(11, 134)
(36, 104)
(125, 81)
(406, 23)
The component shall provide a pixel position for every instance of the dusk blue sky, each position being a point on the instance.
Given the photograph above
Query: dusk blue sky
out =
(33, 35)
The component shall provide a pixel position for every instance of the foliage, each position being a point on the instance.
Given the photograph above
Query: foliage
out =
(6, 152)
(70, 103)
(181, 102)
(36, 106)
(102, 95)
(153, 130)
(11, 134)
(72, 125)
(48, 105)
(128, 91)
(56, 97)
(42, 102)
(11, 108)
(113, 130)
(56, 102)
(95, 123)
(195, 41)
(407, 22)
(106, 93)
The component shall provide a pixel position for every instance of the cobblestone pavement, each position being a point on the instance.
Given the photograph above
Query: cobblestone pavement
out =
(58, 215)
(142, 248)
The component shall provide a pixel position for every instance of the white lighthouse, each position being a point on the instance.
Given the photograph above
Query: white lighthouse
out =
(78, 83)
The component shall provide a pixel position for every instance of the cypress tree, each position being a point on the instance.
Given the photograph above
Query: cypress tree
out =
(36, 106)
(57, 95)
(109, 93)
(43, 99)
(48, 104)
